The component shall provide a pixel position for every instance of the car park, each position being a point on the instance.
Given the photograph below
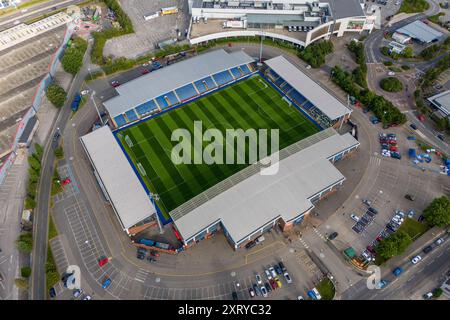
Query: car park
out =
(264, 291)
(287, 277)
(427, 249)
(354, 217)
(258, 279)
(416, 259)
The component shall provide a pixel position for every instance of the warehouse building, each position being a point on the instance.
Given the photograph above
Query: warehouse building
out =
(299, 22)
(442, 102)
(419, 31)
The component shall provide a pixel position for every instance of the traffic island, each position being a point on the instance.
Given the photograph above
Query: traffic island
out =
(326, 289)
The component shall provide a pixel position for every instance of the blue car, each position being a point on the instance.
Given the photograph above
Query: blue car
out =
(397, 271)
(52, 292)
(106, 283)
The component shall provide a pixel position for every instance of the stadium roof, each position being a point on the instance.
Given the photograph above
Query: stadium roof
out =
(420, 31)
(127, 195)
(286, 194)
(159, 82)
(345, 8)
(310, 89)
(442, 101)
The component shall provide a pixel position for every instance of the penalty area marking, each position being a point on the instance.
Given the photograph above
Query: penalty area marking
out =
(141, 169)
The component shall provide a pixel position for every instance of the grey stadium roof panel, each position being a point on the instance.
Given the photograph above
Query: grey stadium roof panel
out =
(420, 31)
(345, 8)
(310, 89)
(442, 101)
(159, 82)
(285, 194)
(127, 195)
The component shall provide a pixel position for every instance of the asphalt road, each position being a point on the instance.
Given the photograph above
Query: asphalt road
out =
(9, 20)
(38, 290)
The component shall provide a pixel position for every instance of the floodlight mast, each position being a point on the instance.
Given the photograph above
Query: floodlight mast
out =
(153, 197)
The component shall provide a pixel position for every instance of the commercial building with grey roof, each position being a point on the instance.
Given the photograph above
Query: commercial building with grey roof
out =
(442, 102)
(420, 31)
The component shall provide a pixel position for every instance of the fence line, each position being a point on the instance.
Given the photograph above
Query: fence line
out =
(37, 99)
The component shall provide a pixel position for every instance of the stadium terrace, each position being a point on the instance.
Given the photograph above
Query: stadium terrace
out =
(224, 90)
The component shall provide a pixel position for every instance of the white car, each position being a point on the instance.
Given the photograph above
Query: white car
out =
(264, 291)
(87, 298)
(272, 272)
(416, 259)
(84, 92)
(391, 73)
(400, 213)
(308, 67)
(258, 279)
(268, 275)
(367, 256)
(300, 298)
(287, 277)
(77, 293)
(354, 217)
(439, 241)
(411, 213)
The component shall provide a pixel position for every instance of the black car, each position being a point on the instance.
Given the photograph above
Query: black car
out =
(410, 197)
(234, 295)
(268, 287)
(281, 264)
(427, 249)
(250, 245)
(356, 229)
(140, 256)
(373, 210)
(413, 126)
(332, 236)
(278, 269)
(151, 260)
(440, 137)
(370, 214)
(142, 251)
(52, 292)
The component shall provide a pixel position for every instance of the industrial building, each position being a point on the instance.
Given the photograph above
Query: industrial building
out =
(300, 22)
(442, 102)
(246, 204)
(418, 31)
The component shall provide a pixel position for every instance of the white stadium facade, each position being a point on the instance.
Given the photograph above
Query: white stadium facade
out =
(300, 22)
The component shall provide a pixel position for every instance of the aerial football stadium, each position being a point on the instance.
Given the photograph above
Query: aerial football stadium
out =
(132, 157)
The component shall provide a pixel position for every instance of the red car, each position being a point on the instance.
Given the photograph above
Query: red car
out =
(145, 71)
(154, 253)
(393, 148)
(66, 181)
(115, 83)
(392, 142)
(273, 284)
(103, 261)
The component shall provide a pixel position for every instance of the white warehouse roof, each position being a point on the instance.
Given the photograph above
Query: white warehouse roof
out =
(259, 199)
(420, 31)
(161, 81)
(126, 194)
(310, 89)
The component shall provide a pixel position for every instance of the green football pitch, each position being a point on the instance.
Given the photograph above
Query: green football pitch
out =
(251, 103)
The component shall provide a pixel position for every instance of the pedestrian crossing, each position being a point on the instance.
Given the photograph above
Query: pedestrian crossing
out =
(375, 161)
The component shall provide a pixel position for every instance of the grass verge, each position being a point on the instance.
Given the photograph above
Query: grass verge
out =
(326, 289)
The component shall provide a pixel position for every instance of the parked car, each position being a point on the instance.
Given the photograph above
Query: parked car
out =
(251, 292)
(413, 126)
(411, 213)
(273, 284)
(373, 210)
(410, 197)
(77, 293)
(300, 298)
(87, 297)
(332, 236)
(103, 261)
(367, 202)
(256, 289)
(115, 83)
(441, 137)
(390, 73)
(264, 291)
(278, 269)
(258, 279)
(52, 292)
(439, 241)
(279, 284)
(397, 271)
(283, 268)
(427, 249)
(428, 296)
(151, 260)
(268, 275)
(416, 259)
(106, 283)
(234, 295)
(272, 272)
(287, 277)
(145, 71)
(268, 287)
(354, 217)
(260, 240)
(250, 245)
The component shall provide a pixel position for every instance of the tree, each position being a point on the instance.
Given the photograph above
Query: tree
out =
(30, 203)
(59, 152)
(34, 163)
(25, 242)
(25, 272)
(391, 84)
(393, 245)
(56, 95)
(437, 292)
(438, 212)
(315, 53)
(408, 52)
(73, 56)
(39, 151)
